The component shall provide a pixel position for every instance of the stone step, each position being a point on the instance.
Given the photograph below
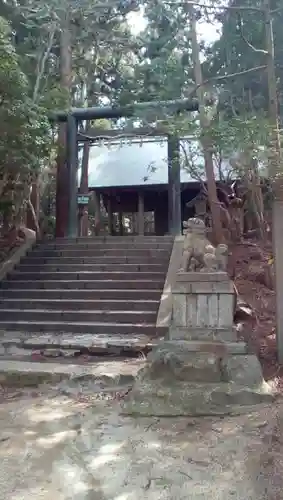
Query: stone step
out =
(84, 284)
(86, 276)
(114, 373)
(100, 287)
(72, 304)
(69, 316)
(21, 345)
(114, 239)
(104, 259)
(106, 344)
(113, 267)
(107, 245)
(94, 328)
(85, 252)
(80, 294)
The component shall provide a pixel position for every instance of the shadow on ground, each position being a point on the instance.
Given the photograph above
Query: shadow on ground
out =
(80, 448)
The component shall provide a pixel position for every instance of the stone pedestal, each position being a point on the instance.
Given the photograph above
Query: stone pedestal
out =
(203, 307)
(201, 369)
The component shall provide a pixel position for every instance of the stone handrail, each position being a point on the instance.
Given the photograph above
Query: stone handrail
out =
(164, 315)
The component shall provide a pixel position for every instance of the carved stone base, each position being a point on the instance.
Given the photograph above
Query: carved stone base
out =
(207, 334)
(198, 378)
(193, 399)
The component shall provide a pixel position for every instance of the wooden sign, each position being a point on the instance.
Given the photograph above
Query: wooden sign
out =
(83, 199)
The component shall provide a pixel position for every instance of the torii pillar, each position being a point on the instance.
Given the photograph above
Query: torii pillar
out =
(174, 186)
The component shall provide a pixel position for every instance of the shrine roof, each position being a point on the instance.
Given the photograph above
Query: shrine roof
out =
(138, 163)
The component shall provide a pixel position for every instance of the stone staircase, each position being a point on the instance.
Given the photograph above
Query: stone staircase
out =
(86, 293)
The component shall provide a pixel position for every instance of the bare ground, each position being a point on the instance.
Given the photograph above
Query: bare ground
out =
(247, 266)
(79, 447)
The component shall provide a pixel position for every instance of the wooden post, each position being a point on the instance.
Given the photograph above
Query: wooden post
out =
(174, 186)
(97, 212)
(84, 225)
(83, 217)
(277, 225)
(110, 216)
(141, 213)
(72, 165)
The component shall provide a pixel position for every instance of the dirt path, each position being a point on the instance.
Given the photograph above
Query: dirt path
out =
(80, 448)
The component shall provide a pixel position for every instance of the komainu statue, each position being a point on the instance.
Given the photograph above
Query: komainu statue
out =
(198, 253)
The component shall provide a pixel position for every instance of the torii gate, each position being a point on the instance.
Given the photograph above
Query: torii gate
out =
(73, 137)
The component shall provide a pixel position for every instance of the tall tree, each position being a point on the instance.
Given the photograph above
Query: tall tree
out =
(205, 132)
(96, 34)
(251, 38)
(243, 45)
(24, 137)
(62, 199)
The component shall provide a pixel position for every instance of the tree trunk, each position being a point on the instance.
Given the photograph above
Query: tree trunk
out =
(62, 188)
(274, 159)
(205, 141)
(34, 218)
(256, 199)
(32, 215)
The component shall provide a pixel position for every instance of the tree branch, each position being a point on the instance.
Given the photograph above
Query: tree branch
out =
(225, 77)
(274, 11)
(240, 25)
(192, 170)
(42, 64)
(215, 7)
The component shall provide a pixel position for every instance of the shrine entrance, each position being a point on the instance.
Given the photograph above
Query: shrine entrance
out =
(76, 136)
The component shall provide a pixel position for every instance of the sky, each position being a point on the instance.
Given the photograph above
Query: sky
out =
(207, 32)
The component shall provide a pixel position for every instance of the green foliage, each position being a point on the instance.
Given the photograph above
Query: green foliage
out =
(240, 48)
(24, 129)
(239, 127)
(5, 206)
(30, 86)
(247, 132)
(110, 65)
(101, 42)
(54, 98)
(163, 68)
